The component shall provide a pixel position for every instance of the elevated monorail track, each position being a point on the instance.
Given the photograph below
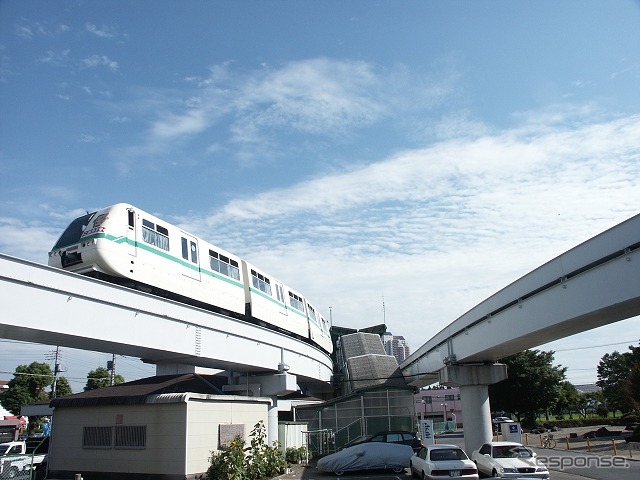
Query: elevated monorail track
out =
(593, 284)
(51, 306)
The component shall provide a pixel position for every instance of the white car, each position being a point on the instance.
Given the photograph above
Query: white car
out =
(367, 456)
(442, 461)
(508, 460)
(502, 420)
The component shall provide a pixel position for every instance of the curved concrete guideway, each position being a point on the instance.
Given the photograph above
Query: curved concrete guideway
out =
(593, 284)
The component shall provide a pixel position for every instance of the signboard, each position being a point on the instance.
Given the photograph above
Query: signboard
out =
(511, 432)
(426, 431)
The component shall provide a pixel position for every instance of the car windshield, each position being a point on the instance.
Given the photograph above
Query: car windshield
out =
(510, 451)
(447, 454)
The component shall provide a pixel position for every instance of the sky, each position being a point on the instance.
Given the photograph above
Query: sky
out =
(395, 162)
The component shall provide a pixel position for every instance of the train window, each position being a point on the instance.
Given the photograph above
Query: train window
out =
(194, 252)
(280, 292)
(99, 220)
(312, 314)
(131, 217)
(155, 235)
(261, 282)
(185, 248)
(296, 301)
(224, 265)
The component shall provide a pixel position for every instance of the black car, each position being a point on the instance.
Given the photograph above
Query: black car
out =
(402, 437)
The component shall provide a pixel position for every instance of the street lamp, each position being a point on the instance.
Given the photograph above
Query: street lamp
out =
(444, 413)
(424, 406)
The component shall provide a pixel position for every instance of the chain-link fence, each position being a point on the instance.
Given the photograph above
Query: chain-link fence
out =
(27, 466)
(355, 416)
(16, 466)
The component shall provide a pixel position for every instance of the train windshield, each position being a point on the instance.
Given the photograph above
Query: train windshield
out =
(73, 232)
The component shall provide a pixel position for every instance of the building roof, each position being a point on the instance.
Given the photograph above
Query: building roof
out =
(137, 391)
(588, 388)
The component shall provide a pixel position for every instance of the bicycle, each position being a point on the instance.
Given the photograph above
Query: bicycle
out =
(548, 441)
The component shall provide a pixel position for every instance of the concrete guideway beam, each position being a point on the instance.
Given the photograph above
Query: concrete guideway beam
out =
(474, 381)
(591, 285)
(54, 307)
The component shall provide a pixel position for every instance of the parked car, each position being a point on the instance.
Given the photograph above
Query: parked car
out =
(508, 460)
(442, 461)
(498, 420)
(367, 456)
(398, 436)
(24, 457)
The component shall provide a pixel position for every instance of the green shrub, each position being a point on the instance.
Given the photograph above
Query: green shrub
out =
(295, 454)
(237, 462)
(228, 462)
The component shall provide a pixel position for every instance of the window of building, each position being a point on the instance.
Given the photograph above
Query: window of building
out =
(97, 437)
(224, 265)
(120, 436)
(449, 398)
(155, 235)
(261, 282)
(130, 436)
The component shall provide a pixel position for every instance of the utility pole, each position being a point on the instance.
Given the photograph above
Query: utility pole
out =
(112, 366)
(384, 312)
(56, 372)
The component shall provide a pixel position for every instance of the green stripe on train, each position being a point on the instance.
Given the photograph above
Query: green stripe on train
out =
(164, 254)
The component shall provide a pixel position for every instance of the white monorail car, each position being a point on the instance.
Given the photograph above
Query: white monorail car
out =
(125, 245)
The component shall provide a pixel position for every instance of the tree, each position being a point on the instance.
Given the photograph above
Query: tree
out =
(568, 399)
(614, 372)
(63, 388)
(27, 386)
(632, 386)
(533, 385)
(101, 378)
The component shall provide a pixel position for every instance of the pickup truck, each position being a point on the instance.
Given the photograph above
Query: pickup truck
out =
(22, 457)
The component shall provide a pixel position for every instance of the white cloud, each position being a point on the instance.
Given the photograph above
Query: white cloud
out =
(102, 32)
(438, 229)
(319, 98)
(171, 126)
(56, 58)
(94, 61)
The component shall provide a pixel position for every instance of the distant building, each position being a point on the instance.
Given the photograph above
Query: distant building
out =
(588, 388)
(396, 345)
(438, 403)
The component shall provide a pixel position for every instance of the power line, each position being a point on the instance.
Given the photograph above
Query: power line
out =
(596, 346)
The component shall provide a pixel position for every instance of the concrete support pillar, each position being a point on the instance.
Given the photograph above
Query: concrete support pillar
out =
(477, 416)
(474, 381)
(272, 421)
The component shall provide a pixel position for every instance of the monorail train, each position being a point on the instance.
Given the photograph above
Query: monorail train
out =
(127, 246)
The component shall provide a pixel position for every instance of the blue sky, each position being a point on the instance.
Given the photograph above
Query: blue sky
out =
(428, 153)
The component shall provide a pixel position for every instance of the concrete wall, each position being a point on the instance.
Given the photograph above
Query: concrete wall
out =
(203, 427)
(179, 438)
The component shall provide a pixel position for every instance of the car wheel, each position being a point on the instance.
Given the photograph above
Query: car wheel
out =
(413, 472)
(494, 473)
(424, 476)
